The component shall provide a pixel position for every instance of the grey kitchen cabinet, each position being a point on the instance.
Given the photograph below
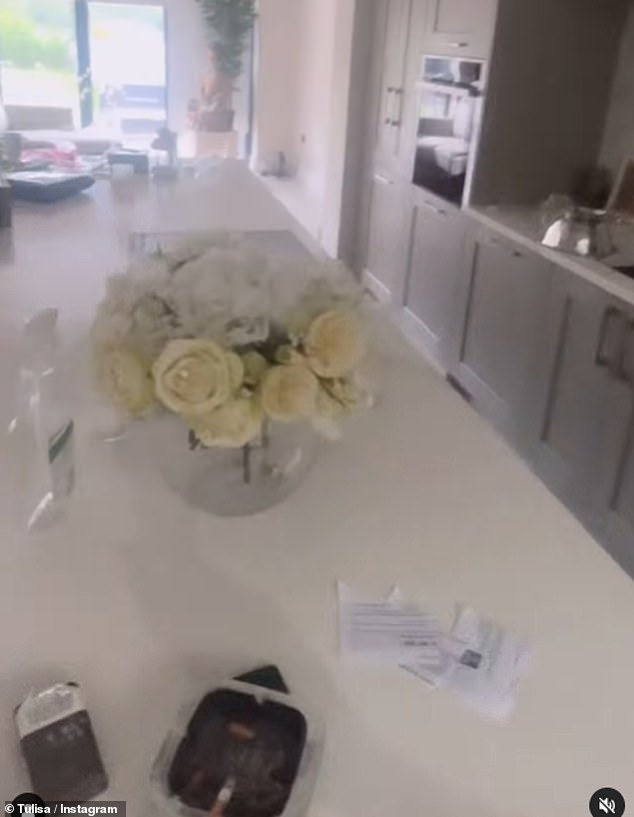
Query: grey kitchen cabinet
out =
(436, 245)
(392, 38)
(382, 234)
(386, 241)
(460, 27)
(502, 299)
(582, 336)
(613, 492)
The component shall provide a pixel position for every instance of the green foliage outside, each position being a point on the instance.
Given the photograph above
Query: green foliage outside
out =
(54, 15)
(229, 22)
(28, 38)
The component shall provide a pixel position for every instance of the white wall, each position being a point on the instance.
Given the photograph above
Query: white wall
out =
(305, 51)
(353, 158)
(546, 100)
(188, 62)
(317, 81)
(276, 57)
(618, 138)
(186, 57)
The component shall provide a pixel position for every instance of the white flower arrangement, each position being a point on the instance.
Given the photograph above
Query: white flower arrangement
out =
(228, 339)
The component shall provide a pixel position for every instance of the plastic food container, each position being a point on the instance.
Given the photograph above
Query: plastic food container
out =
(241, 751)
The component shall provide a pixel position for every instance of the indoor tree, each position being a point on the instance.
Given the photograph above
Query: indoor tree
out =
(229, 24)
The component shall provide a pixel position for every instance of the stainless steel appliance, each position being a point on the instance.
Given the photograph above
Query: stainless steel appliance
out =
(451, 91)
(582, 231)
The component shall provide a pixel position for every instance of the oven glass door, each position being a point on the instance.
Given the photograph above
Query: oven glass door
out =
(450, 92)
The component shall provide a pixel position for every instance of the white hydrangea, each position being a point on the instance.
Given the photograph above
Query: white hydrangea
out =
(217, 287)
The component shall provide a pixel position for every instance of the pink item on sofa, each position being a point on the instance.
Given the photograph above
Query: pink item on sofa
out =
(63, 156)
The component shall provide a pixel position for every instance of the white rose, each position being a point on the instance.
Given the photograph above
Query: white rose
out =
(328, 413)
(255, 365)
(232, 425)
(350, 393)
(337, 398)
(334, 344)
(193, 377)
(287, 354)
(126, 380)
(289, 392)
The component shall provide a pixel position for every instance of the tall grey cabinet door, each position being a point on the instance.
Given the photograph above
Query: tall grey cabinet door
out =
(504, 295)
(394, 25)
(386, 245)
(581, 336)
(437, 234)
(615, 476)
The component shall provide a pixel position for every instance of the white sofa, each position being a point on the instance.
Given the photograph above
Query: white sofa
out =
(48, 126)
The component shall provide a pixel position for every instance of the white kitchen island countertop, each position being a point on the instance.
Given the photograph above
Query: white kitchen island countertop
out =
(144, 602)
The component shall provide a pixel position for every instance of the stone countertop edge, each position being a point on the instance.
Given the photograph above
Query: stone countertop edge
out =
(507, 221)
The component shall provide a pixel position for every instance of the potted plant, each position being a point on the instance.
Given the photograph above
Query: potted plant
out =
(229, 22)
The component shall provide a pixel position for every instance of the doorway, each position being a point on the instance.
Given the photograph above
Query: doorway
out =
(128, 69)
(68, 64)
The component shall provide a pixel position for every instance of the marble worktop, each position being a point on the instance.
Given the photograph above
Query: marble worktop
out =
(524, 225)
(146, 602)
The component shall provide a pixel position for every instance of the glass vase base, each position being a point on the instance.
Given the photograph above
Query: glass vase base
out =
(233, 482)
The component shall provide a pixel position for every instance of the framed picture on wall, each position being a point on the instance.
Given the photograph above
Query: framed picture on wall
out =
(622, 196)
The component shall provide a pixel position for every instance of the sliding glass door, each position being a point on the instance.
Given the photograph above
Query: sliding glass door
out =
(72, 63)
(38, 62)
(127, 61)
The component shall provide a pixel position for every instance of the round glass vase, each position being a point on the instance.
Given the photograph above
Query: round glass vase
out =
(236, 481)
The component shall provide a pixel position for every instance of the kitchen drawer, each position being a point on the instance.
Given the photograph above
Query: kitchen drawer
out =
(435, 261)
(460, 27)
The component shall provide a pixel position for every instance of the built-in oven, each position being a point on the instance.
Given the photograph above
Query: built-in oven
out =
(450, 100)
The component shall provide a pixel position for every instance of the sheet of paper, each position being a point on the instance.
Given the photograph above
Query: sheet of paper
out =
(487, 674)
(480, 663)
(435, 671)
(386, 631)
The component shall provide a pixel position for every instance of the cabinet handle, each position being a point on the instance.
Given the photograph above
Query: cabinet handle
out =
(379, 177)
(602, 359)
(396, 121)
(388, 119)
(622, 372)
(438, 210)
(555, 372)
(458, 44)
(495, 242)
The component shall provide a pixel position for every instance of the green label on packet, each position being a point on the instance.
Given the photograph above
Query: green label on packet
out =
(62, 461)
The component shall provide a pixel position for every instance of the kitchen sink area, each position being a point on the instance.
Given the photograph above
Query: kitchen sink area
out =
(526, 225)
